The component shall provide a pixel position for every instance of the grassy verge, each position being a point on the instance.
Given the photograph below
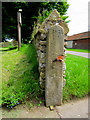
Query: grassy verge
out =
(76, 77)
(20, 76)
(1, 49)
(79, 50)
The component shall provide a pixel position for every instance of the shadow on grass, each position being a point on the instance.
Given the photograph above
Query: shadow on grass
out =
(24, 81)
(12, 48)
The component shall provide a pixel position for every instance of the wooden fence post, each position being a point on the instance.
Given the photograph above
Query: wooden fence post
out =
(19, 27)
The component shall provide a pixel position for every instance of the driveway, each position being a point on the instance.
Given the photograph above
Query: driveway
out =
(86, 55)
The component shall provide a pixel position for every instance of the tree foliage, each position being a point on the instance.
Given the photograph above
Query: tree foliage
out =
(30, 12)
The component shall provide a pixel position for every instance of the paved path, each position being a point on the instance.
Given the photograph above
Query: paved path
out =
(73, 109)
(86, 55)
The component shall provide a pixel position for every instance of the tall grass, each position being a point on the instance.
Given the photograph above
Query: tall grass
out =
(20, 79)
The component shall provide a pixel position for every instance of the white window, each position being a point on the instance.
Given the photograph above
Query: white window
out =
(75, 43)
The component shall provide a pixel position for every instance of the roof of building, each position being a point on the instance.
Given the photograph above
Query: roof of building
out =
(79, 36)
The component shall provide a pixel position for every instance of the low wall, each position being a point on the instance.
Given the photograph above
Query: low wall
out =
(49, 43)
(40, 42)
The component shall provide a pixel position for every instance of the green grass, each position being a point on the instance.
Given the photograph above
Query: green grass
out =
(79, 50)
(3, 48)
(20, 76)
(76, 77)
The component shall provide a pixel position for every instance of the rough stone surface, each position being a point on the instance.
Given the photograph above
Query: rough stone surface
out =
(42, 48)
(52, 19)
(54, 70)
(42, 55)
(42, 61)
(43, 43)
(40, 39)
(41, 69)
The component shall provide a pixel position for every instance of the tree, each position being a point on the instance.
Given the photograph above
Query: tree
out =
(29, 15)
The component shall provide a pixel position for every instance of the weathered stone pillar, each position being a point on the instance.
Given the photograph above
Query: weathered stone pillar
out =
(54, 70)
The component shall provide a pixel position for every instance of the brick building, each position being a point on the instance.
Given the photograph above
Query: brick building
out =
(79, 41)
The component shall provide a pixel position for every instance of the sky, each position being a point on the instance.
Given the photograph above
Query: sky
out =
(78, 16)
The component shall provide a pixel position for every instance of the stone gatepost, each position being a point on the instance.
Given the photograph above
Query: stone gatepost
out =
(54, 69)
(49, 42)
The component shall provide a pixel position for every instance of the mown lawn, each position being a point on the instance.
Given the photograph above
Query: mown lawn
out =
(76, 77)
(78, 50)
(20, 76)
